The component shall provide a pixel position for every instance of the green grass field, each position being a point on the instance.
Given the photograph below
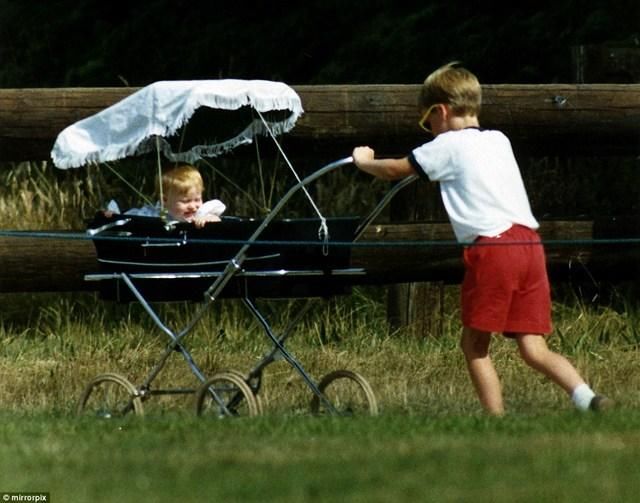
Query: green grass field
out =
(562, 456)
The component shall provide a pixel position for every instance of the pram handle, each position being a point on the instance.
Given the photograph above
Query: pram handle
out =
(382, 204)
(235, 264)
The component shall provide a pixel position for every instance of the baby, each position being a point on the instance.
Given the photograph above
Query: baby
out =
(182, 188)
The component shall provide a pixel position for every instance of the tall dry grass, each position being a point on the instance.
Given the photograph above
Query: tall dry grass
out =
(49, 355)
(35, 196)
(52, 344)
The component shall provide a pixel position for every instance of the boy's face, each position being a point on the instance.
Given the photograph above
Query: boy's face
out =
(183, 205)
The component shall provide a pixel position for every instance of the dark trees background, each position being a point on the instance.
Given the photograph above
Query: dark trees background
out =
(112, 43)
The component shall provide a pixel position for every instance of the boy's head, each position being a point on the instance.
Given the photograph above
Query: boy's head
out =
(182, 188)
(454, 86)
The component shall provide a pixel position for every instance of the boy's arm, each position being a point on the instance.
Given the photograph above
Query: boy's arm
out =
(387, 169)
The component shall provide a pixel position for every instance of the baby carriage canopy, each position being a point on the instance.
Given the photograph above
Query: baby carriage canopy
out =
(152, 117)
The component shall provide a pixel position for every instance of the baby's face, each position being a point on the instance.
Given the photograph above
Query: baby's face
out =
(183, 206)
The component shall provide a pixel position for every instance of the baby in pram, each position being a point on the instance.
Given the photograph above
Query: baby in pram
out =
(182, 189)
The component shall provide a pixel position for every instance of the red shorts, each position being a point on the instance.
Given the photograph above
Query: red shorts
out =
(505, 287)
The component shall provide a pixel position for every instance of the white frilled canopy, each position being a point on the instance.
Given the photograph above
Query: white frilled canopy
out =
(141, 122)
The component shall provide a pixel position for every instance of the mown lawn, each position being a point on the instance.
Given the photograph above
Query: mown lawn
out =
(564, 456)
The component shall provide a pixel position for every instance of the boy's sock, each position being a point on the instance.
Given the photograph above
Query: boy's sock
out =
(582, 396)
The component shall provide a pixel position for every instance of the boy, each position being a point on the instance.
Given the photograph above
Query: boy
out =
(182, 188)
(505, 288)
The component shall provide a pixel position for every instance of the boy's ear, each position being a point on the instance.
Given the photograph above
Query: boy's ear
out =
(445, 110)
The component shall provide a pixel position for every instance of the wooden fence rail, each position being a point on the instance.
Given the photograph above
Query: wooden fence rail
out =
(545, 119)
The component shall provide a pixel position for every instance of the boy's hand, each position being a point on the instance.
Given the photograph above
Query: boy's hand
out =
(386, 169)
(362, 155)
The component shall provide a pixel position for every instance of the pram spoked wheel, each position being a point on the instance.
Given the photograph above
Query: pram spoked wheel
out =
(348, 392)
(110, 396)
(253, 386)
(226, 394)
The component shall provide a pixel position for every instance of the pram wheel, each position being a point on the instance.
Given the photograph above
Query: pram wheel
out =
(348, 392)
(110, 396)
(226, 394)
(253, 386)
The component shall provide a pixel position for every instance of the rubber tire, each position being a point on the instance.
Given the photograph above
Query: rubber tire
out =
(135, 401)
(227, 382)
(257, 397)
(370, 404)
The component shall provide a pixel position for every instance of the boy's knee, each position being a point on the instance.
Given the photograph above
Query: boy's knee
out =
(534, 354)
(529, 357)
(475, 344)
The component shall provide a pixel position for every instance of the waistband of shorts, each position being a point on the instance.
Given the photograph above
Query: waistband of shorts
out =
(515, 228)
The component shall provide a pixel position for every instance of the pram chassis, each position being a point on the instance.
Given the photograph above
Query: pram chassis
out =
(231, 393)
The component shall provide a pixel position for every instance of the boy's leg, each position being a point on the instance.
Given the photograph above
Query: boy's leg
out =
(475, 346)
(535, 352)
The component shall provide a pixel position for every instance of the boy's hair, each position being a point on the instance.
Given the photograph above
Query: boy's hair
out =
(454, 86)
(182, 178)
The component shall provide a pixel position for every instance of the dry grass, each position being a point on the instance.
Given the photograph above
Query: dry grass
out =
(66, 340)
(34, 196)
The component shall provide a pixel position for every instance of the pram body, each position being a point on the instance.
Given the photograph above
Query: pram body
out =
(176, 261)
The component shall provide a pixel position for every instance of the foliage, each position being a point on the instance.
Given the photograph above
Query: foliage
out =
(93, 43)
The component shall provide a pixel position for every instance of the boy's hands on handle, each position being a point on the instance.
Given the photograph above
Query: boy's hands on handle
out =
(362, 155)
(387, 169)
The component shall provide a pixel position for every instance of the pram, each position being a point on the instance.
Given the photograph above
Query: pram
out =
(156, 260)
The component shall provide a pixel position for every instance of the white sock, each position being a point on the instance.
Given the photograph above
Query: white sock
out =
(582, 396)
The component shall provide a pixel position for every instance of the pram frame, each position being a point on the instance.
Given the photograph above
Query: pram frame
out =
(253, 378)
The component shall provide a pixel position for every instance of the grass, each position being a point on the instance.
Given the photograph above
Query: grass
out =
(54, 344)
(430, 442)
(560, 457)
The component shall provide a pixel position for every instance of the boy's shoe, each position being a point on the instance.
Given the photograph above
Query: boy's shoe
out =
(600, 403)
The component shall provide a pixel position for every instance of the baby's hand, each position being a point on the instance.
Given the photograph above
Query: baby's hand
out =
(201, 221)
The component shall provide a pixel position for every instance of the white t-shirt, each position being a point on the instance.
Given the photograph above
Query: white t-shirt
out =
(480, 182)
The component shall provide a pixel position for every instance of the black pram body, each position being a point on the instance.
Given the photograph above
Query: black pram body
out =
(177, 261)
